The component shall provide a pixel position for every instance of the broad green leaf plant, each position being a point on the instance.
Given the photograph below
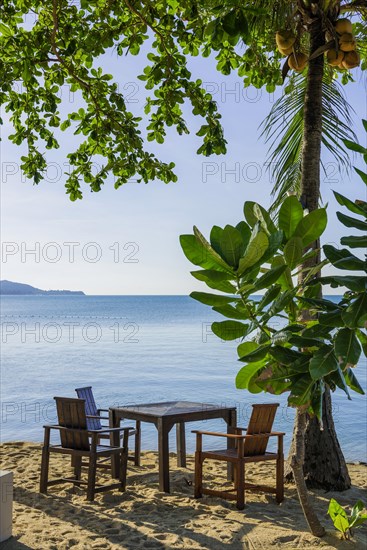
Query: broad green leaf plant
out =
(280, 353)
(283, 346)
(346, 523)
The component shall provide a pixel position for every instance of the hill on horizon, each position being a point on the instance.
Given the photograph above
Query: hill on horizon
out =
(13, 288)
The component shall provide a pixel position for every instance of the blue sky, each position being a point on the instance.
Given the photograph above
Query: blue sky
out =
(126, 241)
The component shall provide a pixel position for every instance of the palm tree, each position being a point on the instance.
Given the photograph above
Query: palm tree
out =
(315, 113)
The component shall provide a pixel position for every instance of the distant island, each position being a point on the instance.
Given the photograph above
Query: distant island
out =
(9, 287)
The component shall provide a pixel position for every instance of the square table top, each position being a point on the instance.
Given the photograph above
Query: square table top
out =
(172, 408)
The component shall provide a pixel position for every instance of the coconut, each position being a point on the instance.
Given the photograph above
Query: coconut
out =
(334, 58)
(285, 39)
(286, 51)
(347, 42)
(351, 60)
(298, 61)
(343, 25)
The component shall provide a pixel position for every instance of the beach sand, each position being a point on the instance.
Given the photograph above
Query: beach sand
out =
(143, 517)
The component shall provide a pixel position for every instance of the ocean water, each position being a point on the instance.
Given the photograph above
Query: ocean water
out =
(133, 349)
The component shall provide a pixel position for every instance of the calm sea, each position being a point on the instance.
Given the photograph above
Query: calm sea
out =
(132, 349)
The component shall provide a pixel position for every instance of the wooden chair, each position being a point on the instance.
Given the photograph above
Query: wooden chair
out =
(95, 417)
(79, 441)
(249, 448)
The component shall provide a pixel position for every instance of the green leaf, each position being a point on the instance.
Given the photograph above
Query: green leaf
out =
(304, 342)
(356, 516)
(245, 375)
(215, 235)
(285, 356)
(211, 252)
(211, 299)
(285, 280)
(348, 221)
(231, 245)
(320, 304)
(322, 363)
(301, 391)
(5, 30)
(343, 258)
(269, 296)
(269, 278)
(245, 231)
(290, 214)
(255, 355)
(355, 146)
(356, 313)
(363, 175)
(332, 319)
(197, 254)
(255, 250)
(354, 241)
(337, 377)
(218, 280)
(353, 282)
(312, 226)
(231, 312)
(339, 516)
(317, 399)
(246, 347)
(255, 213)
(352, 381)
(352, 206)
(229, 330)
(362, 337)
(347, 348)
(293, 251)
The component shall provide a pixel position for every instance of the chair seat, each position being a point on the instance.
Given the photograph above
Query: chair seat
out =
(100, 449)
(232, 456)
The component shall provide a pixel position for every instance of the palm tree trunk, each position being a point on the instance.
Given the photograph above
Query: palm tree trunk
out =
(324, 464)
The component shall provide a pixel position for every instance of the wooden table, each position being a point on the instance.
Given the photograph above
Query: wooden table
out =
(164, 416)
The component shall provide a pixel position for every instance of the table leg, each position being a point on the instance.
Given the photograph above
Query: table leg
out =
(163, 456)
(181, 444)
(115, 442)
(137, 443)
(231, 419)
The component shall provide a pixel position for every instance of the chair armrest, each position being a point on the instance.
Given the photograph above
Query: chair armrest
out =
(234, 436)
(63, 428)
(218, 434)
(111, 430)
(102, 410)
(98, 417)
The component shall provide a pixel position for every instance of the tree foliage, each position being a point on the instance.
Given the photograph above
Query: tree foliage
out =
(282, 350)
(45, 45)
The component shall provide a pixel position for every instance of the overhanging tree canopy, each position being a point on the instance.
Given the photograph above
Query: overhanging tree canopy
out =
(46, 45)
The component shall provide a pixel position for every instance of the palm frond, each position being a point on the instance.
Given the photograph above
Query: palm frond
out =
(283, 129)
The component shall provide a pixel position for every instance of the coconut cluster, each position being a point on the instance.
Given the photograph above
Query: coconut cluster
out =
(345, 55)
(286, 40)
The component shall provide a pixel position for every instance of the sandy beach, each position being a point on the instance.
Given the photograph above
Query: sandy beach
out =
(143, 517)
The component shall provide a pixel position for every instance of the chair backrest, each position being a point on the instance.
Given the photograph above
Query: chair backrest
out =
(261, 422)
(71, 414)
(90, 407)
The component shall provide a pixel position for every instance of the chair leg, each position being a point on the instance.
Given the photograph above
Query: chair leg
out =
(198, 475)
(137, 443)
(280, 480)
(77, 466)
(44, 470)
(92, 476)
(240, 484)
(123, 469)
